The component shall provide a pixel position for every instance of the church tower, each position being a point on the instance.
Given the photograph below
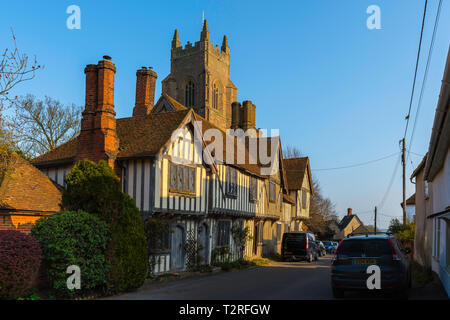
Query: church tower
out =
(200, 78)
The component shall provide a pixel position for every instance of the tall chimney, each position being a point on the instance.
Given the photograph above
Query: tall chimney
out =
(248, 120)
(349, 211)
(235, 115)
(145, 91)
(98, 139)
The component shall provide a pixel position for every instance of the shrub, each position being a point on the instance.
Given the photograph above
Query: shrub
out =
(95, 188)
(20, 258)
(73, 238)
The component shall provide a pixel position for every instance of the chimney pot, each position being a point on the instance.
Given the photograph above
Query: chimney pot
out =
(106, 57)
(349, 211)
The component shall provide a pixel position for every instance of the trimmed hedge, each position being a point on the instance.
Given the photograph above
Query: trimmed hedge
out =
(95, 188)
(74, 238)
(20, 258)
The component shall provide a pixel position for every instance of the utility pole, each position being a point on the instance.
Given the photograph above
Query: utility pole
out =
(375, 222)
(404, 181)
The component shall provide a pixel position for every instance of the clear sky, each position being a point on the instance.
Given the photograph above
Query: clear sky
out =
(335, 89)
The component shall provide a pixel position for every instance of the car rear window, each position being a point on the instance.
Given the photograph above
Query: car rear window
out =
(365, 247)
(294, 237)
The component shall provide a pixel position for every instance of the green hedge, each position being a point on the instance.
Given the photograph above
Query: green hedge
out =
(95, 188)
(73, 238)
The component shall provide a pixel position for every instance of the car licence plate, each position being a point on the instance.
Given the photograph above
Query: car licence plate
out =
(364, 261)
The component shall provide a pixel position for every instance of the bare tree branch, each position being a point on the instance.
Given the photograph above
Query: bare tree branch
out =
(46, 124)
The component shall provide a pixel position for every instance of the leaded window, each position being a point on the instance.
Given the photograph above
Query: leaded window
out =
(253, 189)
(181, 178)
(223, 233)
(272, 192)
(231, 182)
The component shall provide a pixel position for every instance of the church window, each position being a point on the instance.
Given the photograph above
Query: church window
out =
(190, 94)
(215, 100)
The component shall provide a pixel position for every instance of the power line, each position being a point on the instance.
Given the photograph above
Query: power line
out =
(390, 184)
(417, 65)
(430, 53)
(355, 165)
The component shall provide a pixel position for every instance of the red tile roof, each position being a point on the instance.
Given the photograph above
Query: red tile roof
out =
(138, 137)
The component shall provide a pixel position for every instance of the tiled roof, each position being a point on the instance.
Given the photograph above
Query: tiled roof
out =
(295, 171)
(138, 136)
(288, 199)
(178, 106)
(346, 220)
(27, 188)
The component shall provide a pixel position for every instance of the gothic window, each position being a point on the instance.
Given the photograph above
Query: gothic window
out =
(215, 99)
(190, 94)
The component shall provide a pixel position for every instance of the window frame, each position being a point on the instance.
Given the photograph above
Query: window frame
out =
(272, 198)
(189, 94)
(231, 182)
(253, 189)
(186, 180)
(223, 230)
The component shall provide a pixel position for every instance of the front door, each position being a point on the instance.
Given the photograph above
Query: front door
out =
(177, 250)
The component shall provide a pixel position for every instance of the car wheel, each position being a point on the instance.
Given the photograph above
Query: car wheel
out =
(338, 293)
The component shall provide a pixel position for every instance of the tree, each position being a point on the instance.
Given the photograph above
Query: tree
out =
(15, 68)
(45, 124)
(291, 152)
(95, 188)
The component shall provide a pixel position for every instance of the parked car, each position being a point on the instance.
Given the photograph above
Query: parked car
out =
(321, 248)
(330, 246)
(355, 254)
(299, 245)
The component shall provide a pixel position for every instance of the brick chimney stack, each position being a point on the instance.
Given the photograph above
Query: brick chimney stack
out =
(98, 139)
(349, 211)
(145, 91)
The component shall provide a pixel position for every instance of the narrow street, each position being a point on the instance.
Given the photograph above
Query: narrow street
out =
(277, 281)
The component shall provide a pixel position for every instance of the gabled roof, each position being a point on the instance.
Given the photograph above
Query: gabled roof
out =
(419, 167)
(410, 201)
(167, 104)
(138, 137)
(346, 220)
(26, 188)
(295, 172)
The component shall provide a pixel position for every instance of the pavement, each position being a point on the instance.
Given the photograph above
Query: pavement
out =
(276, 281)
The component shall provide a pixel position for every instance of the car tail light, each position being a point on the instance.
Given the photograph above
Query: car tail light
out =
(307, 243)
(395, 255)
(335, 257)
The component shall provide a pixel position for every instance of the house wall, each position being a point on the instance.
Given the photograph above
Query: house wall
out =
(440, 187)
(424, 227)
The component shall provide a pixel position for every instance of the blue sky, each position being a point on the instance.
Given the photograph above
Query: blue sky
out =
(335, 89)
